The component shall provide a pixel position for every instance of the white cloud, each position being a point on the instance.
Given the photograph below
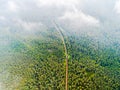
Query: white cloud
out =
(28, 26)
(12, 6)
(67, 3)
(2, 18)
(117, 6)
(79, 19)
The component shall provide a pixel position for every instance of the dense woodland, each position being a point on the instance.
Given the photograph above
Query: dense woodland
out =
(39, 64)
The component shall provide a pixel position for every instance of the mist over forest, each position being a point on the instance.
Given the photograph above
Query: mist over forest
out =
(38, 36)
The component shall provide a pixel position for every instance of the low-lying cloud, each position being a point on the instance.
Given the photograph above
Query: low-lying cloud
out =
(58, 3)
(79, 19)
(12, 6)
(117, 7)
(75, 14)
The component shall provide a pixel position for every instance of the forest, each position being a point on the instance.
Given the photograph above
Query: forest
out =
(39, 63)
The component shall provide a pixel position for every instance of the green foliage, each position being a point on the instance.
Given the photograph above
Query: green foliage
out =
(40, 65)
